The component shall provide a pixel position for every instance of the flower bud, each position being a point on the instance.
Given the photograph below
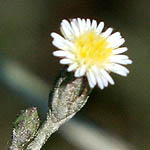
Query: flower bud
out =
(25, 128)
(69, 95)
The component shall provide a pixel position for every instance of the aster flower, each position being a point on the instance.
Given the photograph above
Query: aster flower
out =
(90, 52)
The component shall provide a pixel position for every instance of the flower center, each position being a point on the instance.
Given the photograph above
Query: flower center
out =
(92, 49)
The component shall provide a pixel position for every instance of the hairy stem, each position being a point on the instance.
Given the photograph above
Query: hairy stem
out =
(47, 129)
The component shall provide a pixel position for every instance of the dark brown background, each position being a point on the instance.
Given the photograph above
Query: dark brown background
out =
(25, 26)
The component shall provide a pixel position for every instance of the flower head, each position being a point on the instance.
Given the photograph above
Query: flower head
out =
(90, 52)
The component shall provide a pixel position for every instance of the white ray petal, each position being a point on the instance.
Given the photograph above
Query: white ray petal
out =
(98, 77)
(69, 44)
(66, 33)
(75, 28)
(120, 50)
(94, 24)
(118, 57)
(72, 67)
(120, 67)
(114, 68)
(66, 29)
(100, 82)
(105, 82)
(107, 76)
(90, 78)
(70, 55)
(63, 44)
(66, 61)
(66, 23)
(122, 61)
(121, 73)
(100, 27)
(107, 32)
(128, 61)
(90, 82)
(82, 70)
(88, 24)
(77, 72)
(79, 24)
(117, 43)
(59, 45)
(56, 36)
(82, 26)
(114, 37)
(59, 53)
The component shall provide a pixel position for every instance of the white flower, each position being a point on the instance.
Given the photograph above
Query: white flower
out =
(90, 52)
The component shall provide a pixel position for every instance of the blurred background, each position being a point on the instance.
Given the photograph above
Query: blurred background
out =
(119, 113)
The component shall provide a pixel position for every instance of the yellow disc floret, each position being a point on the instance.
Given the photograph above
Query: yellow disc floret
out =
(92, 49)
